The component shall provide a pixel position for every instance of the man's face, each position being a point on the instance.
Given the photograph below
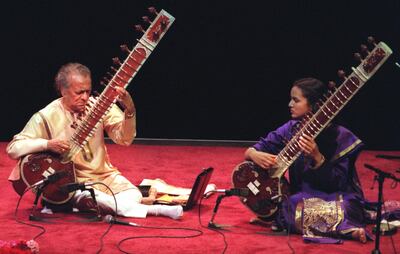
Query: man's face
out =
(77, 94)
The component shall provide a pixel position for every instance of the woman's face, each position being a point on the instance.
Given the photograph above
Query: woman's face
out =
(298, 104)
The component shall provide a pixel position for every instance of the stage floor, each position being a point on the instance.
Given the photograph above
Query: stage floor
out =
(179, 165)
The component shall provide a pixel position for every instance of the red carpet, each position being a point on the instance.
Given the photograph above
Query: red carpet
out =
(179, 165)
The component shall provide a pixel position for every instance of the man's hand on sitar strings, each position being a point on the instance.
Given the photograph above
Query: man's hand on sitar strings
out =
(58, 146)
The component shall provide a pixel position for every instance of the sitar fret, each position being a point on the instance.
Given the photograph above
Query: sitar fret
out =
(338, 100)
(334, 105)
(129, 67)
(126, 74)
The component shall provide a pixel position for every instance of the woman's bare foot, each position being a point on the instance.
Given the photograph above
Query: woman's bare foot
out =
(359, 235)
(260, 222)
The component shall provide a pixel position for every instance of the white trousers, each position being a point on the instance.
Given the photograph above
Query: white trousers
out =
(128, 202)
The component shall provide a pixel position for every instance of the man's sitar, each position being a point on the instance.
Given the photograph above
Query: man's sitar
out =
(268, 187)
(36, 167)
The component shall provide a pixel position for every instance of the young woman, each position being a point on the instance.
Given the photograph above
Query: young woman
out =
(326, 200)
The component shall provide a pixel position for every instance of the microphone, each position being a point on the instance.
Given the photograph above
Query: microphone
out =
(377, 170)
(50, 179)
(241, 192)
(112, 220)
(382, 173)
(70, 187)
(388, 157)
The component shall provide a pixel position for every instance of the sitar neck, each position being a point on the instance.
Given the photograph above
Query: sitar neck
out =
(121, 78)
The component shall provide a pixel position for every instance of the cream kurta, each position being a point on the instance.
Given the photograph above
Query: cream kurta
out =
(92, 163)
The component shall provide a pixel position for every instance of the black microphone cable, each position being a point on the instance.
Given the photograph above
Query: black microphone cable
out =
(196, 234)
(119, 245)
(288, 226)
(223, 235)
(212, 229)
(111, 224)
(43, 230)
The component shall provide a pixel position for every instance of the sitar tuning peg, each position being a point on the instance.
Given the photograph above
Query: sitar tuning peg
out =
(371, 40)
(357, 56)
(125, 48)
(104, 82)
(116, 61)
(364, 49)
(341, 74)
(331, 85)
(114, 69)
(153, 10)
(146, 19)
(139, 28)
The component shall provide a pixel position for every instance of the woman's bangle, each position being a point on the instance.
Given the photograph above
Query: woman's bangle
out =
(319, 164)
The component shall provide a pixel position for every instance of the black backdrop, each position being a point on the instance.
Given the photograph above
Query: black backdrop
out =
(223, 70)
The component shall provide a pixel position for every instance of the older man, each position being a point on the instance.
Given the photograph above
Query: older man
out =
(51, 128)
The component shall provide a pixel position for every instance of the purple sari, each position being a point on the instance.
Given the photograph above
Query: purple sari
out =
(327, 203)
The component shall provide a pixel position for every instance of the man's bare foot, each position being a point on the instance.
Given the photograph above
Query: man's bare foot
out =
(360, 235)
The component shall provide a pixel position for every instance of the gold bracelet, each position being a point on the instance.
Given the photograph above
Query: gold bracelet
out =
(320, 163)
(130, 115)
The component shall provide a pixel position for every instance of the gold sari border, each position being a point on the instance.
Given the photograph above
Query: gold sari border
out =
(311, 212)
(347, 150)
(340, 212)
(299, 216)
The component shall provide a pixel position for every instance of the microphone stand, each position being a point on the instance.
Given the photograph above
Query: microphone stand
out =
(388, 157)
(211, 224)
(98, 216)
(380, 178)
(39, 190)
(91, 191)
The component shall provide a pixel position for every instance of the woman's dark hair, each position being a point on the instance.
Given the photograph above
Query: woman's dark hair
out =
(312, 89)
